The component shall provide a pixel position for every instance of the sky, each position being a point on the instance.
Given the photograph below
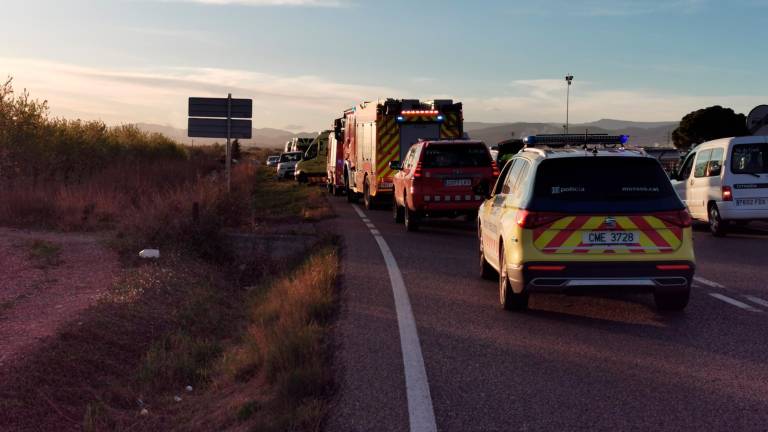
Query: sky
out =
(304, 61)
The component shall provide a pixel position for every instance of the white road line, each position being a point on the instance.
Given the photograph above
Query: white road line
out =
(421, 414)
(734, 302)
(757, 300)
(707, 282)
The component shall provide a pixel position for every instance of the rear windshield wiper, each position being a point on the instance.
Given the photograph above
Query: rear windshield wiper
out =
(752, 174)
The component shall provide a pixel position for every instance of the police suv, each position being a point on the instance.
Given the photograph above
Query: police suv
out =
(574, 212)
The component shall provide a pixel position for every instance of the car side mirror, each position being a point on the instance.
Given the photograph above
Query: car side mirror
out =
(395, 165)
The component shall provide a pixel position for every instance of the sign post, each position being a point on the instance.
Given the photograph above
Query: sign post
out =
(220, 118)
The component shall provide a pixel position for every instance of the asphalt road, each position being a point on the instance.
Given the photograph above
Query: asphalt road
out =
(608, 362)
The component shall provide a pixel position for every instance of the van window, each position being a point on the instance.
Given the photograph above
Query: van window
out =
(749, 159)
(701, 163)
(456, 156)
(685, 170)
(715, 165)
(603, 185)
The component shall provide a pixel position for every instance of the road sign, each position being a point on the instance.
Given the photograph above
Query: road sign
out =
(218, 107)
(757, 120)
(217, 128)
(214, 118)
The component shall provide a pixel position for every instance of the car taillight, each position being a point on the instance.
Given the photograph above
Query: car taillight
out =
(546, 267)
(727, 193)
(679, 218)
(495, 168)
(417, 172)
(534, 219)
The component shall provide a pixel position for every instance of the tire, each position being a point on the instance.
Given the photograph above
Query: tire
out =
(302, 178)
(351, 196)
(367, 198)
(412, 219)
(486, 271)
(717, 226)
(508, 299)
(398, 213)
(675, 300)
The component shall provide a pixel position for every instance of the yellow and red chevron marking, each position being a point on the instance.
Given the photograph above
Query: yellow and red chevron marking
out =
(450, 127)
(387, 146)
(565, 235)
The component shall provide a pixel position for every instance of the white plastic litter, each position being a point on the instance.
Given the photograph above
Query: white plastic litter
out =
(144, 411)
(150, 253)
(177, 398)
(189, 388)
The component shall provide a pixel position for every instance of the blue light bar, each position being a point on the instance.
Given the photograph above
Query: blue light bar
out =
(400, 119)
(575, 140)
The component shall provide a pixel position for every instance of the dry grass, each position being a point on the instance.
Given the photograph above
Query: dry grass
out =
(277, 376)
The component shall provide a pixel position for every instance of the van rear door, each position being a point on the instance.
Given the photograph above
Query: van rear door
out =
(749, 179)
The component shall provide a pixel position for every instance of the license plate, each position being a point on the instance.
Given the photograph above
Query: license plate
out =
(746, 202)
(610, 237)
(458, 182)
(385, 185)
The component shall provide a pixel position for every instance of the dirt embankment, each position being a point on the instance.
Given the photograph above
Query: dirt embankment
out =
(46, 279)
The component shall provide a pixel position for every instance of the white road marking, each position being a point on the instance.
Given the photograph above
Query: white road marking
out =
(734, 302)
(757, 300)
(707, 282)
(421, 414)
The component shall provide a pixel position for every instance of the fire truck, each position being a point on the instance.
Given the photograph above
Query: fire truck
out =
(375, 134)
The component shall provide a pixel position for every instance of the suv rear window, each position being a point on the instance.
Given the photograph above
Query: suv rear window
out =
(456, 156)
(749, 159)
(603, 184)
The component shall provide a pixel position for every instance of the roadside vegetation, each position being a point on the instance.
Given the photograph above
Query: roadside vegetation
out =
(198, 340)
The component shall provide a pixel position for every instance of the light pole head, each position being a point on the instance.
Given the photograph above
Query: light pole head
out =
(568, 79)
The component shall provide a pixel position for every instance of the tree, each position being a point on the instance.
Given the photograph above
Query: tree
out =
(707, 124)
(236, 149)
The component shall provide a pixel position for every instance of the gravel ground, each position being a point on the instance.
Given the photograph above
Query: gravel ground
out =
(37, 297)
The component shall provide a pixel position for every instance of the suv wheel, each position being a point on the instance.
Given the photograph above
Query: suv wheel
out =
(672, 300)
(411, 219)
(507, 297)
(486, 271)
(398, 213)
(717, 226)
(302, 178)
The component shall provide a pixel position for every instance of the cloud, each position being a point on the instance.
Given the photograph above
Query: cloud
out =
(543, 100)
(295, 3)
(159, 95)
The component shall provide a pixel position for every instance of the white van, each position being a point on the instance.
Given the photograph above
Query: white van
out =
(725, 180)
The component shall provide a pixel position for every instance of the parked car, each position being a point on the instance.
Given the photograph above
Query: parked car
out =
(441, 178)
(287, 164)
(724, 181)
(272, 161)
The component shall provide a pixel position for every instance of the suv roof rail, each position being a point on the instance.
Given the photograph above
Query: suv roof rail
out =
(575, 140)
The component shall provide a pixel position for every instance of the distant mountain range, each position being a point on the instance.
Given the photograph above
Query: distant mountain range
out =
(262, 137)
(641, 133)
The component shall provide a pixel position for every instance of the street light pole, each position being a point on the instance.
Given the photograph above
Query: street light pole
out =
(568, 79)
